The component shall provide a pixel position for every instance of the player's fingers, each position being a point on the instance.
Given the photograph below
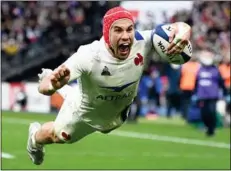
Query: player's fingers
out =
(53, 78)
(179, 49)
(177, 42)
(181, 45)
(56, 74)
(185, 41)
(172, 35)
(63, 67)
(61, 72)
(175, 50)
(171, 51)
(66, 71)
(170, 47)
(173, 44)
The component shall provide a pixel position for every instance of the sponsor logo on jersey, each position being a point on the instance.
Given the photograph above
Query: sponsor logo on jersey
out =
(114, 97)
(106, 71)
(119, 89)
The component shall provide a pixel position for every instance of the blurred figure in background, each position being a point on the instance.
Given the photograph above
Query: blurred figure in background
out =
(135, 110)
(187, 83)
(143, 94)
(224, 69)
(155, 90)
(20, 101)
(147, 22)
(207, 86)
(173, 93)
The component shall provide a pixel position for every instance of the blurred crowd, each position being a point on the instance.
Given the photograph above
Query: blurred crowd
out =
(27, 22)
(29, 27)
(30, 22)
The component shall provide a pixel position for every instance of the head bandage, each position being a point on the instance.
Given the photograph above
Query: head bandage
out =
(110, 17)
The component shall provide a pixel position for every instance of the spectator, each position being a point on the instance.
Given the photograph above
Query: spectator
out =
(155, 90)
(208, 82)
(10, 46)
(173, 91)
(187, 83)
(143, 94)
(224, 69)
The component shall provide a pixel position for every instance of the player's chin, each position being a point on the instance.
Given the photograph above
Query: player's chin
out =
(123, 54)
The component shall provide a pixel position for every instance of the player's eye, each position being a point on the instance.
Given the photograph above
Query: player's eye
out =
(130, 29)
(117, 30)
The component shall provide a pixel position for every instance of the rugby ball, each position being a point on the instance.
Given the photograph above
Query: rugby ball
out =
(160, 40)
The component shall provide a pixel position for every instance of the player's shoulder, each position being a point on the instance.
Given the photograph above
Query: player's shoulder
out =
(90, 49)
(144, 35)
(142, 39)
(87, 52)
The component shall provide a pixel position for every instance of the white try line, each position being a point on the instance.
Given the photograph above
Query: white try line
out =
(189, 141)
(147, 136)
(7, 155)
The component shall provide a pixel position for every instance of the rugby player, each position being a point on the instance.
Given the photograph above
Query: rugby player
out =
(108, 73)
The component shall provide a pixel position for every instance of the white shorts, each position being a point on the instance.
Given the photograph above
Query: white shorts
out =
(68, 126)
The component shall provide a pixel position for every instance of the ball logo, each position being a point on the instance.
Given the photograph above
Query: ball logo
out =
(160, 44)
(169, 28)
(189, 48)
(163, 49)
(139, 60)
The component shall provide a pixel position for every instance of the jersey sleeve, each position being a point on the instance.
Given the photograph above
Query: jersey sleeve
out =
(147, 35)
(79, 62)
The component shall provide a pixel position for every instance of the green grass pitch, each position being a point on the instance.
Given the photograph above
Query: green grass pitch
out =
(160, 144)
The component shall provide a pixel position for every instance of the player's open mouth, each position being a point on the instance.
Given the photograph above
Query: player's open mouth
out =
(124, 48)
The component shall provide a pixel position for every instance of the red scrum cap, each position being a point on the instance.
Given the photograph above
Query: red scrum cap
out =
(110, 17)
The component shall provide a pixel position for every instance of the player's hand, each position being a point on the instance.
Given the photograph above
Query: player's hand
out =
(178, 38)
(60, 76)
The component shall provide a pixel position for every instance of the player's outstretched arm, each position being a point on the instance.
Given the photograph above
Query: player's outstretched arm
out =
(56, 80)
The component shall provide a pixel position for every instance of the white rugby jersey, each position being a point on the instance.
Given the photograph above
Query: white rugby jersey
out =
(107, 85)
